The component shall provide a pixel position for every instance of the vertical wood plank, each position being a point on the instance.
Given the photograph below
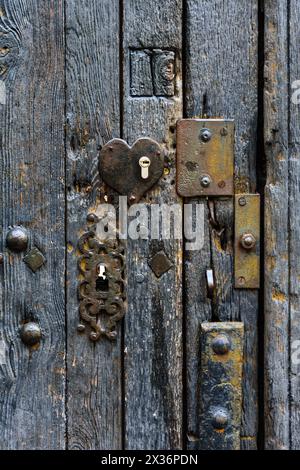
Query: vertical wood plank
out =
(276, 114)
(153, 323)
(32, 380)
(294, 205)
(221, 81)
(92, 105)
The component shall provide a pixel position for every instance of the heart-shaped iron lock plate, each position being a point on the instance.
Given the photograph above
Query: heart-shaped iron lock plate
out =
(131, 171)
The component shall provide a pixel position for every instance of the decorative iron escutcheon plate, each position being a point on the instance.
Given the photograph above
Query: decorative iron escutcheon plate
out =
(101, 291)
(221, 385)
(120, 167)
(204, 157)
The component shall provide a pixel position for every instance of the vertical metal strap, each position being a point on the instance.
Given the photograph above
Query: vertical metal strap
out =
(221, 385)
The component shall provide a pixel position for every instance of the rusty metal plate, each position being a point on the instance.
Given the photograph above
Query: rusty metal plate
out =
(160, 263)
(247, 241)
(221, 385)
(205, 149)
(120, 166)
(34, 259)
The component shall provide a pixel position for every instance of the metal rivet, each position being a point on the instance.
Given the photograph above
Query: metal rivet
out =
(205, 135)
(81, 327)
(241, 280)
(248, 241)
(17, 239)
(221, 344)
(92, 218)
(221, 184)
(132, 198)
(30, 333)
(242, 201)
(219, 418)
(205, 181)
(140, 278)
(93, 336)
(224, 131)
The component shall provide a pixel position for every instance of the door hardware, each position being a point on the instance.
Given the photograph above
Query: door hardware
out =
(210, 282)
(34, 259)
(101, 290)
(221, 385)
(205, 149)
(131, 171)
(247, 241)
(144, 163)
(205, 167)
(17, 239)
(30, 333)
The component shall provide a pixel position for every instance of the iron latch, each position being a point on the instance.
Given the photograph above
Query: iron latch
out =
(205, 167)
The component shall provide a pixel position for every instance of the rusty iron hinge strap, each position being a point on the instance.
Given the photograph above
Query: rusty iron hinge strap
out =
(221, 385)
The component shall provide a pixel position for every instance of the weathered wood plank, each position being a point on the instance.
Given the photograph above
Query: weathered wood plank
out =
(32, 382)
(221, 81)
(294, 205)
(276, 106)
(92, 79)
(153, 323)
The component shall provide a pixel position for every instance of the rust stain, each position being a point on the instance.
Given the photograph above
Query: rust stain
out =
(278, 296)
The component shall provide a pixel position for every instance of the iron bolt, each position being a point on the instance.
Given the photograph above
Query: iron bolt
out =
(205, 135)
(93, 336)
(30, 333)
(219, 418)
(242, 201)
(221, 344)
(80, 327)
(205, 181)
(17, 239)
(248, 241)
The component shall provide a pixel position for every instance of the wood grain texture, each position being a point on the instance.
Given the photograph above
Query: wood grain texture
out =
(92, 105)
(276, 136)
(294, 229)
(153, 323)
(32, 381)
(221, 81)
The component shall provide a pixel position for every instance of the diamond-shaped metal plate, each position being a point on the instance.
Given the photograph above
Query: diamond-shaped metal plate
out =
(34, 259)
(160, 263)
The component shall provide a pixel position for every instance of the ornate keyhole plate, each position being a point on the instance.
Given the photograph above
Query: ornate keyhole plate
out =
(101, 290)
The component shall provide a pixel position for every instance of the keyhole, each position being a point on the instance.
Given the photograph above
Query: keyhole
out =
(102, 281)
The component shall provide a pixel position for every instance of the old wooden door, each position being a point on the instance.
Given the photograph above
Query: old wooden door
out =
(73, 75)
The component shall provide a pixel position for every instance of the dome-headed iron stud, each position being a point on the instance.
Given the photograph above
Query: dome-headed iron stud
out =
(30, 333)
(221, 344)
(248, 241)
(17, 239)
(219, 418)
